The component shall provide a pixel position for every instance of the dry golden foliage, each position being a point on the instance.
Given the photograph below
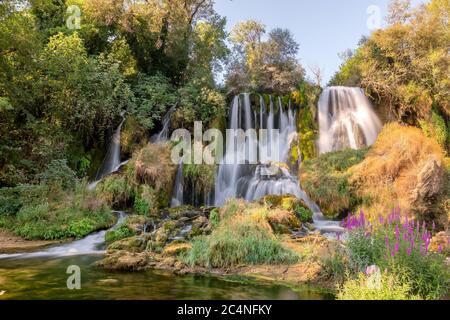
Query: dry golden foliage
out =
(153, 166)
(404, 168)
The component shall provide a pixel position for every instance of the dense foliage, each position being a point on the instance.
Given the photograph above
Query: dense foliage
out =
(64, 86)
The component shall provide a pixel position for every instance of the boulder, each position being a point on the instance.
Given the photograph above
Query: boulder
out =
(429, 183)
(134, 245)
(174, 249)
(125, 261)
(283, 221)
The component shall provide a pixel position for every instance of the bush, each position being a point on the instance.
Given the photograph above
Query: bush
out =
(120, 233)
(59, 175)
(304, 214)
(375, 287)
(154, 95)
(37, 212)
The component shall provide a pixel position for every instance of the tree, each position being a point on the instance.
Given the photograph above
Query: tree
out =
(399, 11)
(269, 65)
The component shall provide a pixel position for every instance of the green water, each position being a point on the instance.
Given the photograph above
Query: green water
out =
(46, 279)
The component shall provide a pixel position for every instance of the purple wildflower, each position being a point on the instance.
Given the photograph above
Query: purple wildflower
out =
(440, 249)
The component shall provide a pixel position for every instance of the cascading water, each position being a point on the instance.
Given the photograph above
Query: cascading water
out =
(346, 119)
(112, 162)
(163, 135)
(178, 189)
(242, 175)
(254, 167)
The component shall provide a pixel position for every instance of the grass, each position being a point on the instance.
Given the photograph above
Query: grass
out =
(326, 180)
(375, 287)
(240, 238)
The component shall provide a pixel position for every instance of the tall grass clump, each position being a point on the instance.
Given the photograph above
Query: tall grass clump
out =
(239, 239)
(399, 245)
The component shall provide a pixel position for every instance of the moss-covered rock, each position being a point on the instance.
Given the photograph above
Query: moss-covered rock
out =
(175, 249)
(133, 244)
(125, 261)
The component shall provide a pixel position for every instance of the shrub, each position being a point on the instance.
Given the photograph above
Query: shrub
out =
(120, 233)
(59, 175)
(304, 214)
(154, 95)
(37, 212)
(375, 287)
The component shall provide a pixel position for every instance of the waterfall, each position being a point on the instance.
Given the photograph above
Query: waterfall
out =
(346, 119)
(112, 162)
(257, 166)
(163, 135)
(178, 189)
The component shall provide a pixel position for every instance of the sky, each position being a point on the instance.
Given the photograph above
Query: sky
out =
(323, 28)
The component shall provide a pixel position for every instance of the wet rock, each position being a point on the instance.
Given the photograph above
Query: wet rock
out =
(200, 222)
(286, 202)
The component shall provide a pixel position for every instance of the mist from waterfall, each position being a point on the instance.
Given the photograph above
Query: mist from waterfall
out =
(346, 119)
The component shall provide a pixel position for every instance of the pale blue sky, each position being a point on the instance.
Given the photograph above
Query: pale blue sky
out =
(323, 28)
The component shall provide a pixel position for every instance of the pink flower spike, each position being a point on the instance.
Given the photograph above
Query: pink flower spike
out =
(440, 249)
